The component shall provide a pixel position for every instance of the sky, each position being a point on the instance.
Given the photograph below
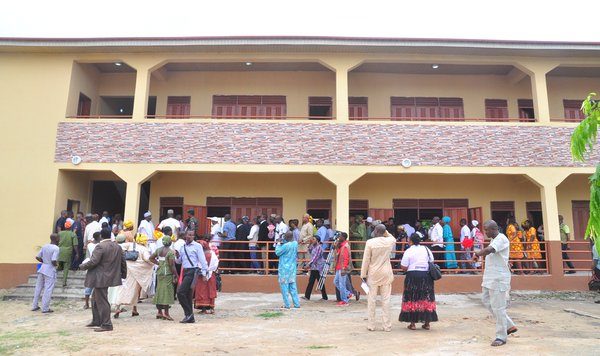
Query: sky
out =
(528, 20)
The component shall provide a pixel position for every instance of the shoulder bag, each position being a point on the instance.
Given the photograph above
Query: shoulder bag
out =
(434, 270)
(132, 255)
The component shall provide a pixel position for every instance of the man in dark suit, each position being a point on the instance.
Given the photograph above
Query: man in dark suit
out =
(105, 269)
(263, 236)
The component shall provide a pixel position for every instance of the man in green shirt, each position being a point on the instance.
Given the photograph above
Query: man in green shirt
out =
(358, 232)
(565, 232)
(67, 244)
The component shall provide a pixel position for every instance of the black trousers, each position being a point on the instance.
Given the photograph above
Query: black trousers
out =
(101, 308)
(438, 256)
(564, 248)
(314, 277)
(184, 291)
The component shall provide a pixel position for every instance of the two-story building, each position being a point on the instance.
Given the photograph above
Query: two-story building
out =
(404, 128)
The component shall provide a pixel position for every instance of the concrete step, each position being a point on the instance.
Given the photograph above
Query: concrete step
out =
(62, 296)
(73, 290)
(69, 289)
(75, 280)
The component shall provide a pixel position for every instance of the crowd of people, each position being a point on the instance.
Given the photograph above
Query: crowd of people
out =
(171, 261)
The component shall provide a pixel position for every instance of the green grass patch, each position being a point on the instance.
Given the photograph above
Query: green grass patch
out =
(320, 347)
(19, 340)
(269, 315)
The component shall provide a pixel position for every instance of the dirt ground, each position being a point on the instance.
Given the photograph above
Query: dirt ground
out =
(241, 327)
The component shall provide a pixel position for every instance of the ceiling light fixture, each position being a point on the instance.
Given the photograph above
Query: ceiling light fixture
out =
(118, 64)
(248, 63)
(435, 66)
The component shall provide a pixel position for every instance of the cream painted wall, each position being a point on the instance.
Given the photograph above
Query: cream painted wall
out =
(575, 187)
(117, 84)
(201, 86)
(560, 88)
(75, 186)
(381, 189)
(295, 189)
(474, 89)
(83, 79)
(33, 94)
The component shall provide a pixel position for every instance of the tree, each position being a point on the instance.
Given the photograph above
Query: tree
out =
(583, 140)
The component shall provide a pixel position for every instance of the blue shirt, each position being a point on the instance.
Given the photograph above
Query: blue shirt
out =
(196, 256)
(322, 233)
(229, 228)
(296, 233)
(330, 234)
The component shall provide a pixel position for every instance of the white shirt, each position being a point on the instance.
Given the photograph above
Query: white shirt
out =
(147, 228)
(437, 235)
(409, 230)
(214, 232)
(253, 236)
(496, 275)
(170, 222)
(178, 244)
(104, 220)
(48, 253)
(465, 232)
(417, 258)
(90, 228)
(280, 230)
(90, 248)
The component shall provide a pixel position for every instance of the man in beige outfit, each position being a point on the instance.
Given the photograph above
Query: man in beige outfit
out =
(377, 272)
(306, 236)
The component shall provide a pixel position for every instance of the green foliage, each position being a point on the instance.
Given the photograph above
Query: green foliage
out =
(269, 315)
(583, 140)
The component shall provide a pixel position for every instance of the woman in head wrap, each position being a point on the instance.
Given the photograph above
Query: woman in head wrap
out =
(450, 256)
(166, 278)
(532, 246)
(139, 274)
(127, 231)
(515, 235)
(206, 290)
(478, 239)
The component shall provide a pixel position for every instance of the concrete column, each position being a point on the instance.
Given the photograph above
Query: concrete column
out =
(539, 90)
(550, 212)
(140, 100)
(132, 202)
(341, 94)
(342, 183)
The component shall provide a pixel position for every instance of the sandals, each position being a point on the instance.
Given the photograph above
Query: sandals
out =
(116, 316)
(134, 314)
(498, 342)
(161, 317)
(167, 318)
(512, 330)
(426, 326)
(412, 327)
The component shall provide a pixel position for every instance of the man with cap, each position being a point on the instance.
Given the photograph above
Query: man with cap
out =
(306, 236)
(147, 228)
(370, 226)
(215, 231)
(192, 222)
(171, 222)
(67, 245)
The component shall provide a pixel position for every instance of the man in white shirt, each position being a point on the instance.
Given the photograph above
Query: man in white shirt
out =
(280, 228)
(215, 231)
(171, 222)
(46, 275)
(147, 228)
(465, 233)
(496, 281)
(105, 218)
(92, 226)
(436, 235)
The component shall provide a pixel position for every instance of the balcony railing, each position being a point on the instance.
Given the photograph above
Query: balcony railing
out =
(443, 119)
(235, 117)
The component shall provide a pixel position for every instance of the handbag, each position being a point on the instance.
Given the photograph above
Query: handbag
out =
(132, 255)
(434, 270)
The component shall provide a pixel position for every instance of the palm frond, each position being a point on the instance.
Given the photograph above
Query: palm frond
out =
(585, 134)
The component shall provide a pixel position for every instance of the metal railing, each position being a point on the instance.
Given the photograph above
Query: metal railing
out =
(444, 119)
(235, 257)
(241, 117)
(578, 255)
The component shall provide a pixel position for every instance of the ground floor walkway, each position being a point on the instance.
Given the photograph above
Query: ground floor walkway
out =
(251, 323)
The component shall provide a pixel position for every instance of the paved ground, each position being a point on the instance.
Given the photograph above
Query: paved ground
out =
(240, 327)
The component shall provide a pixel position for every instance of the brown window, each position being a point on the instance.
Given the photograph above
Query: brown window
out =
(573, 110)
(173, 203)
(496, 109)
(422, 107)
(84, 106)
(249, 106)
(526, 112)
(358, 107)
(319, 107)
(501, 210)
(178, 106)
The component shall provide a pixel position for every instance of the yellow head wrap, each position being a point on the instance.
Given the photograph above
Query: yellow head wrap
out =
(128, 224)
(141, 239)
(158, 235)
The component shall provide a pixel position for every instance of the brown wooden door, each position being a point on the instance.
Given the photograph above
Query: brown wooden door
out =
(581, 215)
(475, 214)
(200, 213)
(455, 215)
(84, 107)
(381, 214)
